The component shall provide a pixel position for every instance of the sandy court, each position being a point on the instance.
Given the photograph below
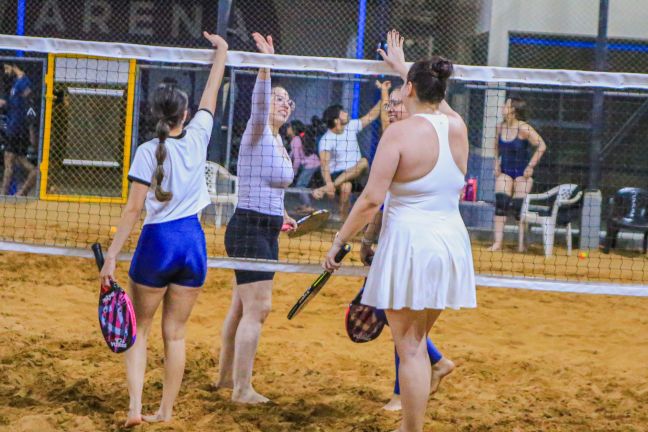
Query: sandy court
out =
(527, 361)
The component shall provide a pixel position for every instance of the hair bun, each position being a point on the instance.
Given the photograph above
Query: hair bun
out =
(441, 67)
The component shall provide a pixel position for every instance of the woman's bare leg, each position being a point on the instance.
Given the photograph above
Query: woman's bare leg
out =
(410, 329)
(145, 302)
(228, 336)
(178, 303)
(256, 298)
(503, 184)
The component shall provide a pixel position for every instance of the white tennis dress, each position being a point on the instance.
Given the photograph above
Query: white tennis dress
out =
(424, 259)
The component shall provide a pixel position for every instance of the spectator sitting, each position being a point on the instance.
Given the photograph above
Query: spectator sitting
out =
(303, 152)
(340, 154)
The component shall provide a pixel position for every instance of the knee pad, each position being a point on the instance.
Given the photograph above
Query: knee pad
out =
(502, 204)
(516, 207)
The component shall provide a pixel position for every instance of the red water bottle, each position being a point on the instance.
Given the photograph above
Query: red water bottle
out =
(471, 190)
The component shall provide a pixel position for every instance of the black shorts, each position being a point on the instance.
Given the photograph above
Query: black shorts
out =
(356, 186)
(17, 144)
(251, 234)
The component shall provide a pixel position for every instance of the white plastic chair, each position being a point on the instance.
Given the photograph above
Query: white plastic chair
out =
(547, 215)
(216, 176)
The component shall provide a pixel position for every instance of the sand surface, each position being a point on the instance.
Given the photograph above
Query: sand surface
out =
(527, 361)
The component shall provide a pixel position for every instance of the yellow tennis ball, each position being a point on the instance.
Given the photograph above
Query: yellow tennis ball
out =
(583, 255)
(113, 229)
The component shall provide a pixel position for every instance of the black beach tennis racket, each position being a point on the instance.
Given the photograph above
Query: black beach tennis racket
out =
(116, 313)
(309, 223)
(317, 285)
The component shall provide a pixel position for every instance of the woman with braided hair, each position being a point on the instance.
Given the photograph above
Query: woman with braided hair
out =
(170, 262)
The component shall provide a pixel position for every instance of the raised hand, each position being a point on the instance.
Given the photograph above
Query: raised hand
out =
(385, 85)
(395, 56)
(263, 44)
(216, 41)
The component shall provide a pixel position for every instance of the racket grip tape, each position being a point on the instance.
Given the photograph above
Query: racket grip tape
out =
(344, 250)
(98, 254)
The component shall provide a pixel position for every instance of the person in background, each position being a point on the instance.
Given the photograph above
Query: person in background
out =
(303, 152)
(514, 168)
(339, 153)
(20, 129)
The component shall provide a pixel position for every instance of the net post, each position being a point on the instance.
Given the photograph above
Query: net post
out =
(128, 127)
(47, 129)
(590, 223)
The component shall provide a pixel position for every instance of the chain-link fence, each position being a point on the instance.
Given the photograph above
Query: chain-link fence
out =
(516, 33)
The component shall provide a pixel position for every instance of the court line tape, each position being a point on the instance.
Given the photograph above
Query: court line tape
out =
(490, 74)
(535, 284)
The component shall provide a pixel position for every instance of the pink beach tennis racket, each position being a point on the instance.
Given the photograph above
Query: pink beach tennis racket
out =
(116, 313)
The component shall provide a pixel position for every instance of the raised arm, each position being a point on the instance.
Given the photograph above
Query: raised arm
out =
(262, 93)
(395, 56)
(395, 59)
(371, 115)
(384, 101)
(210, 94)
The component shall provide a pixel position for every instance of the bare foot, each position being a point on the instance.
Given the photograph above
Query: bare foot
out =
(394, 403)
(158, 417)
(249, 396)
(441, 369)
(134, 419)
(223, 384)
(496, 247)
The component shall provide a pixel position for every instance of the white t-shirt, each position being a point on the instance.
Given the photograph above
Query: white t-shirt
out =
(344, 148)
(184, 171)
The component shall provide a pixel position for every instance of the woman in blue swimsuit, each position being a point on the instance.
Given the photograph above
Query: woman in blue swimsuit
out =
(514, 140)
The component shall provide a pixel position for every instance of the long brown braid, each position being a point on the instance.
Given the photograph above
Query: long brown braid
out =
(169, 106)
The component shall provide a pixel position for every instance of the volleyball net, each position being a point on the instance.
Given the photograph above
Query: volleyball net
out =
(91, 109)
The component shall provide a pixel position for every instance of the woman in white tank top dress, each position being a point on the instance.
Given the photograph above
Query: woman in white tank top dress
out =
(423, 263)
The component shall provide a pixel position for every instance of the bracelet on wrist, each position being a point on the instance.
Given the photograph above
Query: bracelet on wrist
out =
(338, 240)
(367, 242)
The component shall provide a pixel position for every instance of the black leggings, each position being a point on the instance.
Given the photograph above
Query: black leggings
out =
(251, 234)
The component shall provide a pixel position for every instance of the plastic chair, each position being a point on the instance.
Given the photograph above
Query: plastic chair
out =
(222, 187)
(628, 210)
(561, 207)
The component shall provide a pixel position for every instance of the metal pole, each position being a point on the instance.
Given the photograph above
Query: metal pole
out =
(599, 98)
(590, 225)
(224, 9)
(20, 22)
(230, 119)
(362, 18)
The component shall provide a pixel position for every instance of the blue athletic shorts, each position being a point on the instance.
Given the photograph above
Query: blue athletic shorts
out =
(171, 252)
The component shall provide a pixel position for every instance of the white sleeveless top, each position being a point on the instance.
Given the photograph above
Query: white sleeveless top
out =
(424, 258)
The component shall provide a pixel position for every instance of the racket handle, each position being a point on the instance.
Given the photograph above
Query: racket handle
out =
(98, 254)
(344, 250)
(286, 227)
